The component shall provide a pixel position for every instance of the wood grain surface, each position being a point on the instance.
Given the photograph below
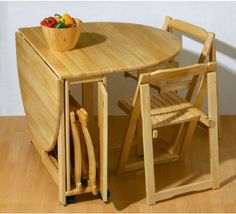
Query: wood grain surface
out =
(106, 47)
(41, 95)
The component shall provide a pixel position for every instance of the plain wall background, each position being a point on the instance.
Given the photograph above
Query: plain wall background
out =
(218, 17)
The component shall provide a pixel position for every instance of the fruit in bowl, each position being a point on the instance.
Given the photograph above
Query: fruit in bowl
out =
(61, 32)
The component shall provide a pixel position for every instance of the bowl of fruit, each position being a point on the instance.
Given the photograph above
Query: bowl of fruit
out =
(61, 32)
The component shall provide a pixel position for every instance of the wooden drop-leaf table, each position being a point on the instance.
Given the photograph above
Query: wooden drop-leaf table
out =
(46, 75)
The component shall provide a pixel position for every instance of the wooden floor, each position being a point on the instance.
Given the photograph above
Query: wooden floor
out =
(26, 186)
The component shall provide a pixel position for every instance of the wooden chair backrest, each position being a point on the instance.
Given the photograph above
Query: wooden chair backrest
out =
(207, 53)
(192, 31)
(175, 74)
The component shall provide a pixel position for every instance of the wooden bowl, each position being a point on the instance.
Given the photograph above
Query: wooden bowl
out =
(62, 39)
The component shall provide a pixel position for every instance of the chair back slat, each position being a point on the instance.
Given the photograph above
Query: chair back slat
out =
(197, 33)
(197, 71)
(192, 31)
(136, 93)
(178, 73)
(206, 48)
(203, 85)
(173, 74)
(188, 29)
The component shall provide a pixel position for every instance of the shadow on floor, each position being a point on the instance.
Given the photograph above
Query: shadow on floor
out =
(129, 188)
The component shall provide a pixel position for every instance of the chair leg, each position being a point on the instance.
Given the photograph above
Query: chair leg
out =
(188, 138)
(129, 137)
(174, 149)
(147, 144)
(213, 131)
(139, 149)
(214, 156)
(149, 165)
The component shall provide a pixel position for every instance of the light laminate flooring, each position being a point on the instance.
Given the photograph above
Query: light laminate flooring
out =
(26, 186)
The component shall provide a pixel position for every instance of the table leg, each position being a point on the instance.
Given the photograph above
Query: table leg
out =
(67, 133)
(103, 134)
(61, 157)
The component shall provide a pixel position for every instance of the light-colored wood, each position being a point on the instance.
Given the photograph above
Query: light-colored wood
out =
(103, 139)
(187, 28)
(126, 106)
(41, 95)
(76, 129)
(206, 50)
(61, 150)
(173, 86)
(147, 143)
(95, 78)
(129, 136)
(77, 150)
(213, 131)
(78, 191)
(106, 47)
(165, 119)
(169, 64)
(170, 109)
(67, 132)
(178, 73)
(166, 103)
(204, 119)
(61, 39)
(203, 185)
(167, 158)
(165, 26)
(194, 32)
(139, 148)
(83, 118)
(87, 100)
(135, 74)
(103, 48)
(51, 167)
(199, 89)
(207, 38)
(212, 57)
(78, 138)
(53, 160)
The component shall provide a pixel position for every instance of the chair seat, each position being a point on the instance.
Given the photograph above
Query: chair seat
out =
(167, 109)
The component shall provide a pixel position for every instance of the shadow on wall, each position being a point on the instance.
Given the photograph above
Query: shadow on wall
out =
(226, 75)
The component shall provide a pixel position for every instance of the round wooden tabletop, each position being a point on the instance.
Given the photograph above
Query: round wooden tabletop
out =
(106, 47)
(103, 48)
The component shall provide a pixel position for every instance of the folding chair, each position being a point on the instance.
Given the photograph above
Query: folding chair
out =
(169, 108)
(207, 54)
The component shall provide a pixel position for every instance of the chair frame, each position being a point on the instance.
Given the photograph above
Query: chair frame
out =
(141, 105)
(208, 53)
(202, 84)
(213, 182)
